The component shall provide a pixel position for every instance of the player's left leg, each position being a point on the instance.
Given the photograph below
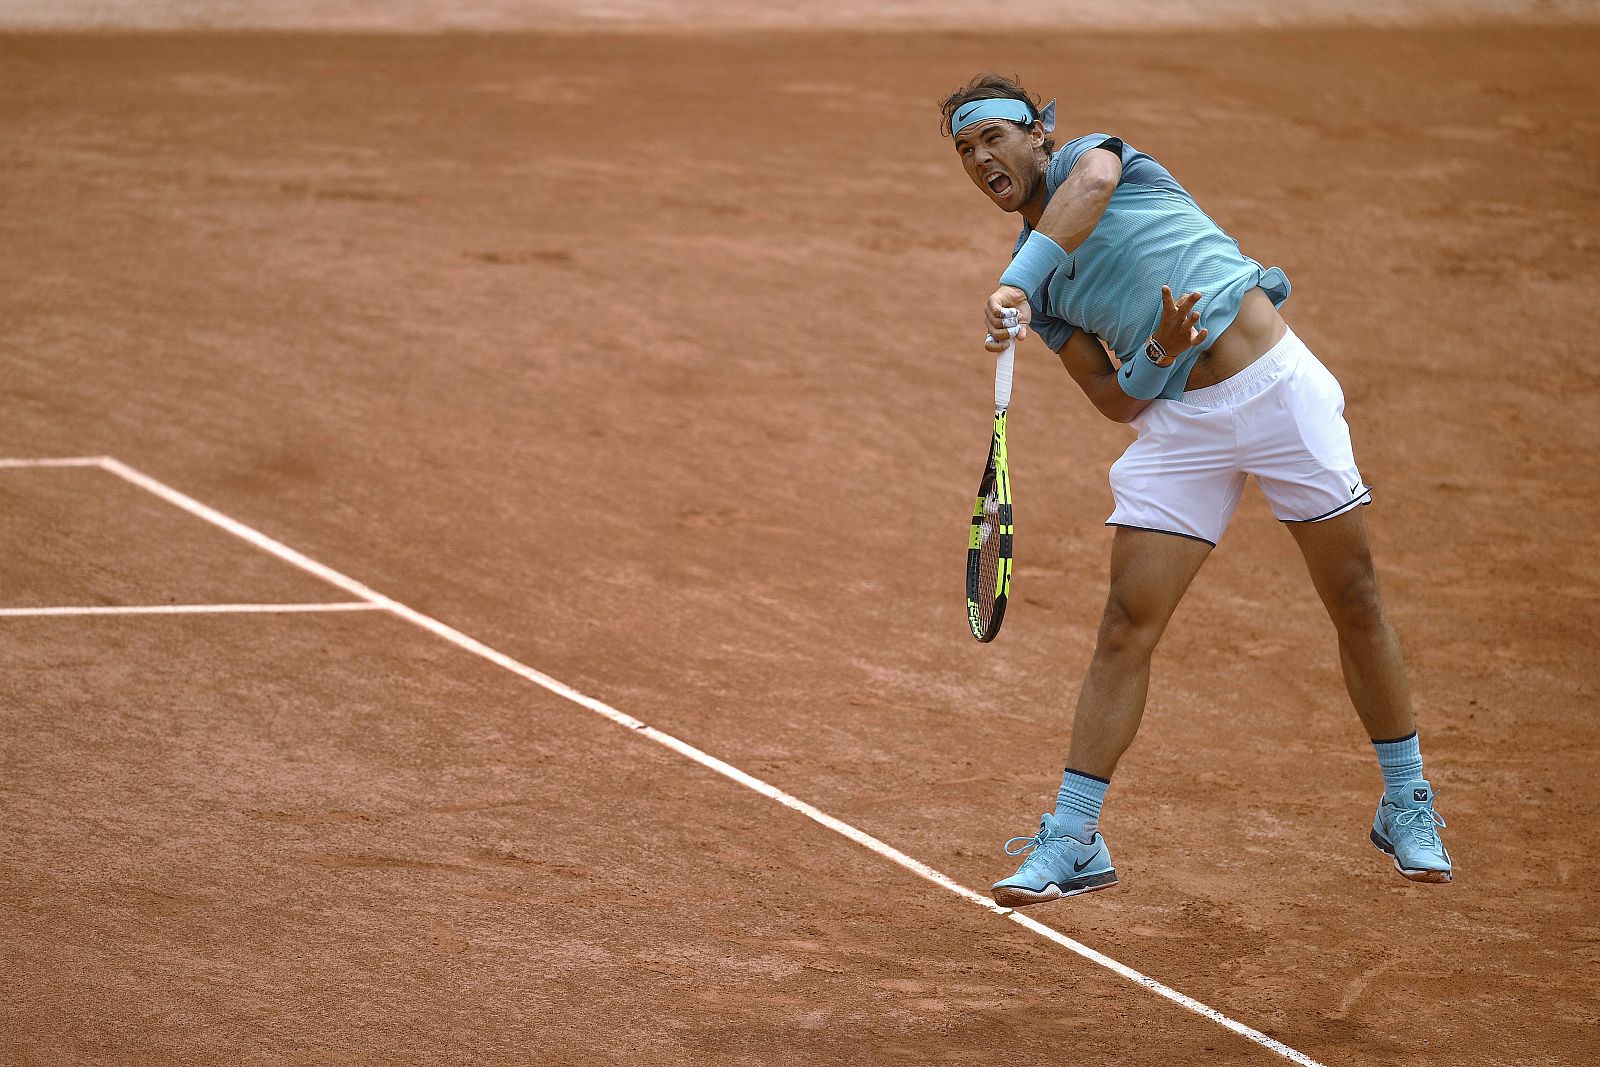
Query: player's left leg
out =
(1338, 554)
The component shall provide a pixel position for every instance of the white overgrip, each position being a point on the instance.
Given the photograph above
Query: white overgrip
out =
(1002, 377)
(1002, 372)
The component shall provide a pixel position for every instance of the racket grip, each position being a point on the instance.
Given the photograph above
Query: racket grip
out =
(1002, 376)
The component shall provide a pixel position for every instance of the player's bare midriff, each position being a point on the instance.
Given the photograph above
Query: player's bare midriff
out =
(1254, 331)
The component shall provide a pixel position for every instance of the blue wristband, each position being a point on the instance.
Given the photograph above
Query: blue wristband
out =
(1037, 257)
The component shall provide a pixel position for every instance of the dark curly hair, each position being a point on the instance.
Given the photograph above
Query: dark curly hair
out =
(991, 86)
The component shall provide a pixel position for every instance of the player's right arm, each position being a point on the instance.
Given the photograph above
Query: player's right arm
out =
(1086, 360)
(1106, 386)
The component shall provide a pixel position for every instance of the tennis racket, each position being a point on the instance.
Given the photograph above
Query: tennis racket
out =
(989, 545)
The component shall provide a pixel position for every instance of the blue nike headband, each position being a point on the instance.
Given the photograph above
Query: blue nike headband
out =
(1005, 108)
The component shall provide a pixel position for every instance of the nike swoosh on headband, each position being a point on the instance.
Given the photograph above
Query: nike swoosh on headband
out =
(1003, 108)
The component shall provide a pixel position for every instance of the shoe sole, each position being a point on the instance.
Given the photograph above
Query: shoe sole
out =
(1415, 875)
(1012, 896)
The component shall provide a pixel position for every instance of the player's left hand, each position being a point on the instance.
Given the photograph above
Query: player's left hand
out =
(1007, 307)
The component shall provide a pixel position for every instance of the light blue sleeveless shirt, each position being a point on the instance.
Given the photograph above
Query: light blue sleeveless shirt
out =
(1152, 234)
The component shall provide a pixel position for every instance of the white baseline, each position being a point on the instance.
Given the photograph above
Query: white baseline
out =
(188, 609)
(727, 770)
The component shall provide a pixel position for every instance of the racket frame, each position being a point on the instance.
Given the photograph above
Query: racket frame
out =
(996, 477)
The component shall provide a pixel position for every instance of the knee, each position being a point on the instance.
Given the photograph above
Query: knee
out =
(1126, 631)
(1356, 607)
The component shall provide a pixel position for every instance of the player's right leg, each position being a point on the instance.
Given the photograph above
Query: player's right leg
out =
(1150, 572)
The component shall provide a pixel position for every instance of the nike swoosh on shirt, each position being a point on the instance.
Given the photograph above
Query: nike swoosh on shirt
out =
(1072, 272)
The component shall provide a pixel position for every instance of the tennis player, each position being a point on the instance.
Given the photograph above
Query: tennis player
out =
(1116, 257)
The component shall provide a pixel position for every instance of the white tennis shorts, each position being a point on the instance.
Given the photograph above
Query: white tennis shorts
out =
(1280, 419)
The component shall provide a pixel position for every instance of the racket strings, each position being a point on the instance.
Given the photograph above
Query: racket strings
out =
(988, 556)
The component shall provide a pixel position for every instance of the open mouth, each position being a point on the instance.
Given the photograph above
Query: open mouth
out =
(999, 184)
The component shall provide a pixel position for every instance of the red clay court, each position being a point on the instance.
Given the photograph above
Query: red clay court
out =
(404, 380)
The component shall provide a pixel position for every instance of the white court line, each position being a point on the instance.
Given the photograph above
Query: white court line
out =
(189, 609)
(71, 461)
(844, 829)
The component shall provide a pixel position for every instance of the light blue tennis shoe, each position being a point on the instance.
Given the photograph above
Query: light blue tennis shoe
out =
(1407, 828)
(1058, 865)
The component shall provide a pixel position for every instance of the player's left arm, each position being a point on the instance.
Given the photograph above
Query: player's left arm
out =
(1075, 209)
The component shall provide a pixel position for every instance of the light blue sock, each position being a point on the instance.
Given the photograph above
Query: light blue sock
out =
(1400, 761)
(1078, 803)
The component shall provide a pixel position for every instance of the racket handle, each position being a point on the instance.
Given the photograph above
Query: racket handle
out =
(1002, 376)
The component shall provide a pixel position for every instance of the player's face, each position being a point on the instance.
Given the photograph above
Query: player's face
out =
(1002, 159)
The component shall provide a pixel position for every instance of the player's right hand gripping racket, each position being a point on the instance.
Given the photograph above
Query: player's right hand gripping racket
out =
(989, 547)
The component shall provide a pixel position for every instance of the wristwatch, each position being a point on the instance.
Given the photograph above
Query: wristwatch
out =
(1155, 353)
